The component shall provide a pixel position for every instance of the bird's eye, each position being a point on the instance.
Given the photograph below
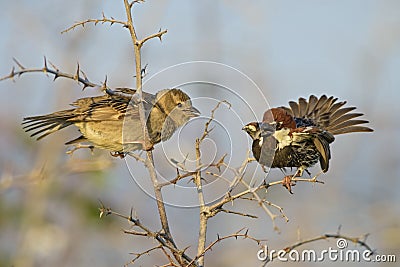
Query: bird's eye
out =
(180, 105)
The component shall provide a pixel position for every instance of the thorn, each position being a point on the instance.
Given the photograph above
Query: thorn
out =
(45, 66)
(12, 73)
(56, 75)
(85, 84)
(104, 85)
(76, 76)
(218, 237)
(54, 66)
(84, 75)
(45, 62)
(143, 71)
(339, 229)
(160, 36)
(102, 208)
(19, 64)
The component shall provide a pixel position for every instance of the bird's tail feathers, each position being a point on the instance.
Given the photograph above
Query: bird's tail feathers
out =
(46, 124)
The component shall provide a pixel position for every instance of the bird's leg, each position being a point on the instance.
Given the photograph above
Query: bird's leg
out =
(287, 180)
(79, 146)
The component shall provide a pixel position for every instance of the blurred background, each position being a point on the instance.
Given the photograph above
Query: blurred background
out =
(49, 200)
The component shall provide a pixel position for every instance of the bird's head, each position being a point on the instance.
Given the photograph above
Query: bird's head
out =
(176, 105)
(253, 129)
(274, 120)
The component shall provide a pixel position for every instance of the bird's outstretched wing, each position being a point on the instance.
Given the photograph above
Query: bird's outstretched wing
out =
(329, 118)
(328, 114)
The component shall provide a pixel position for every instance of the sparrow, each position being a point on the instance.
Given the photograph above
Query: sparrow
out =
(111, 121)
(300, 135)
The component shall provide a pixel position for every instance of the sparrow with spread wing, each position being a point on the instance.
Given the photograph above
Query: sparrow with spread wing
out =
(300, 135)
(112, 122)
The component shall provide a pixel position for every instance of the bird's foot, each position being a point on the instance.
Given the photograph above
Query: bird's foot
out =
(148, 147)
(118, 154)
(288, 183)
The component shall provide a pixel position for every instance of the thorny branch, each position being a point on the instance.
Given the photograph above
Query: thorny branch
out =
(79, 75)
(204, 209)
(103, 20)
(356, 240)
(181, 258)
(161, 238)
(236, 235)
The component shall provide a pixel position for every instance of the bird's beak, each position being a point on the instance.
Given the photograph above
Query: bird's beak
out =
(194, 112)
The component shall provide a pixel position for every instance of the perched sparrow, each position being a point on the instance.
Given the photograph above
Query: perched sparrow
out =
(112, 122)
(299, 136)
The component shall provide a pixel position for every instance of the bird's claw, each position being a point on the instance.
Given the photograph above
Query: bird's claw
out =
(118, 154)
(288, 183)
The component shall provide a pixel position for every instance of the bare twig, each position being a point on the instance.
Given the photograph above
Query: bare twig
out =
(103, 20)
(236, 235)
(355, 240)
(137, 157)
(53, 70)
(212, 116)
(146, 252)
(161, 238)
(204, 209)
(158, 35)
(239, 213)
(79, 146)
(177, 178)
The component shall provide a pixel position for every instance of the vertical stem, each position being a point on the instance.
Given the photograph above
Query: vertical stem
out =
(203, 208)
(138, 66)
(147, 144)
